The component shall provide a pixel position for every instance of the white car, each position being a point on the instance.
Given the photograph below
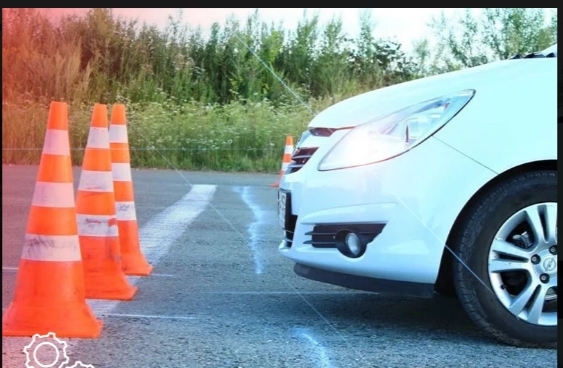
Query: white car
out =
(443, 184)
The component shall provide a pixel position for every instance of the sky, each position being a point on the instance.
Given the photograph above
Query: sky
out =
(402, 24)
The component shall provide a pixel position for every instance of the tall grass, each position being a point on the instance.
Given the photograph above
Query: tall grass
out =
(99, 57)
(234, 137)
(205, 103)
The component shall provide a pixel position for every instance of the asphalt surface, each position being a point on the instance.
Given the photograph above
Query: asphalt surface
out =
(221, 295)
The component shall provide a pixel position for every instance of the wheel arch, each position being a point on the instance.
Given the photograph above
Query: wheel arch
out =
(445, 271)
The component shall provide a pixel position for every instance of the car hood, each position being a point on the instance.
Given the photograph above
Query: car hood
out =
(367, 106)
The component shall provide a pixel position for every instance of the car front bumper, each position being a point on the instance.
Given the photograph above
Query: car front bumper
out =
(409, 204)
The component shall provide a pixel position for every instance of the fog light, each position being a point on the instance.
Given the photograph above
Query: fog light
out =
(353, 243)
(349, 243)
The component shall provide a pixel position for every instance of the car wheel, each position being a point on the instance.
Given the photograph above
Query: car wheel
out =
(506, 274)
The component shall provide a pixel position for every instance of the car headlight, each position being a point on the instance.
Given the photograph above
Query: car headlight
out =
(302, 138)
(394, 134)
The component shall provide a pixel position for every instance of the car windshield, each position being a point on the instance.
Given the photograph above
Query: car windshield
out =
(550, 52)
(550, 49)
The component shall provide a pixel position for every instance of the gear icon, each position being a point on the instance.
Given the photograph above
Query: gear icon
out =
(46, 343)
(79, 364)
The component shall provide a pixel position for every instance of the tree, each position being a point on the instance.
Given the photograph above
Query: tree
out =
(480, 36)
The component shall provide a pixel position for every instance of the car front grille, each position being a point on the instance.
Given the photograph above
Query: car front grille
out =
(323, 236)
(300, 158)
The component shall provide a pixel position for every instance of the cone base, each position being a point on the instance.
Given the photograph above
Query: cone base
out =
(66, 321)
(276, 184)
(103, 274)
(49, 297)
(136, 265)
(133, 261)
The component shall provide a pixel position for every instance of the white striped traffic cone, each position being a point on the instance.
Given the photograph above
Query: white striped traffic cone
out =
(286, 159)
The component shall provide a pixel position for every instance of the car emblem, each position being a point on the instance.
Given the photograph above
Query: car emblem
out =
(549, 264)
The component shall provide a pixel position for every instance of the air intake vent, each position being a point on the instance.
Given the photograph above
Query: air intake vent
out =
(300, 158)
(323, 236)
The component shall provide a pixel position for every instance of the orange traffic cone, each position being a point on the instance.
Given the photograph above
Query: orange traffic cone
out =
(134, 262)
(286, 159)
(97, 220)
(49, 294)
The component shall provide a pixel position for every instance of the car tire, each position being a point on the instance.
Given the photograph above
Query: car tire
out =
(473, 244)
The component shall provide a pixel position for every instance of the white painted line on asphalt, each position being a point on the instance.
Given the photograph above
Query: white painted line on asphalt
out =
(254, 228)
(322, 355)
(163, 230)
(149, 316)
(9, 269)
(160, 233)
